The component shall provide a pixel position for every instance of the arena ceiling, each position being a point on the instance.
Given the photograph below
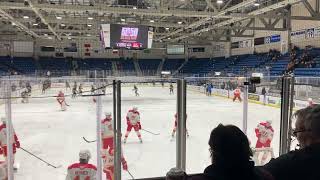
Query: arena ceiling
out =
(174, 20)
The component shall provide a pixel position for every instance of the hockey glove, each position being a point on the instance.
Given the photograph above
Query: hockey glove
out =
(1, 151)
(17, 144)
(124, 165)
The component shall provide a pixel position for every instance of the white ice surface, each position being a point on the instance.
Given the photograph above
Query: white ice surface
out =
(56, 136)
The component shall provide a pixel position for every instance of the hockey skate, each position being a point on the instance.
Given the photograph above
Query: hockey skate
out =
(140, 140)
(125, 140)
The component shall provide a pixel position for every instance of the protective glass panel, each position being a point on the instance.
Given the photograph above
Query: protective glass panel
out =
(148, 108)
(210, 102)
(50, 122)
(264, 116)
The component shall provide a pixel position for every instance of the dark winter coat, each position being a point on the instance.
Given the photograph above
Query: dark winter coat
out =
(245, 172)
(301, 164)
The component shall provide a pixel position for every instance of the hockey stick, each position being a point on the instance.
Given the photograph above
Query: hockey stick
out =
(49, 164)
(130, 174)
(88, 141)
(150, 132)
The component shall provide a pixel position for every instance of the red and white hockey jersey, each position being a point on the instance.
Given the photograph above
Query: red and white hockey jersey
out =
(3, 136)
(108, 161)
(60, 97)
(80, 171)
(264, 133)
(106, 128)
(237, 92)
(133, 117)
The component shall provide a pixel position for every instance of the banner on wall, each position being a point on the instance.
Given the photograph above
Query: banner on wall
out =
(245, 44)
(317, 32)
(301, 34)
(309, 33)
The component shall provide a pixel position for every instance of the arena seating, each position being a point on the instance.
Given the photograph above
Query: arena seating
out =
(172, 64)
(197, 66)
(236, 65)
(149, 64)
(94, 64)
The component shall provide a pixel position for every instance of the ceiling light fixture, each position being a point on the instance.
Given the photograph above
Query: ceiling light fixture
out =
(35, 24)
(59, 17)
(134, 7)
(179, 22)
(152, 21)
(123, 20)
(219, 1)
(167, 28)
(25, 17)
(256, 4)
(13, 24)
(62, 25)
(90, 18)
(89, 25)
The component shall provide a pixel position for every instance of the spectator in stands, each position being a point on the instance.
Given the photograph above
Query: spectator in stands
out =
(303, 163)
(231, 156)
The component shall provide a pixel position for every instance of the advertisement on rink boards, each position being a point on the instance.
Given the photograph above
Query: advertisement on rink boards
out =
(270, 100)
(254, 97)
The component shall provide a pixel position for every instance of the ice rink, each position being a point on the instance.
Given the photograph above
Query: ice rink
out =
(56, 136)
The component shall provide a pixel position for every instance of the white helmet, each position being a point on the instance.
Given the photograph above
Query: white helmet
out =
(107, 113)
(85, 154)
(3, 119)
(309, 99)
(135, 108)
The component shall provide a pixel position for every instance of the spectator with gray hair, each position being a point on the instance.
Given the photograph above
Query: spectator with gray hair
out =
(303, 163)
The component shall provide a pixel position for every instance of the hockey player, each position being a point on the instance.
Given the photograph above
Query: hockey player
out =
(237, 94)
(264, 133)
(135, 89)
(92, 89)
(171, 89)
(80, 89)
(82, 170)
(133, 121)
(61, 100)
(175, 126)
(25, 96)
(107, 132)
(67, 85)
(3, 139)
(74, 92)
(108, 163)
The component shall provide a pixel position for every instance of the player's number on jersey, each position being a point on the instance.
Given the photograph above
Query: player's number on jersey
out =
(78, 178)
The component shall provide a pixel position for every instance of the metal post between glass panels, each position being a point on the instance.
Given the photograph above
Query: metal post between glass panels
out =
(114, 93)
(181, 125)
(284, 123)
(9, 131)
(118, 130)
(99, 109)
(245, 109)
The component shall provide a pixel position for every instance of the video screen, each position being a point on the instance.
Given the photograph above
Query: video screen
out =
(130, 37)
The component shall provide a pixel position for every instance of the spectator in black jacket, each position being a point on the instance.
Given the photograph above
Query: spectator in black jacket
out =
(302, 164)
(231, 156)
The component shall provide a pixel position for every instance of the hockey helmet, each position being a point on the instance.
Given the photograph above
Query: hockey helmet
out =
(107, 113)
(135, 108)
(85, 154)
(269, 122)
(3, 119)
(310, 100)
